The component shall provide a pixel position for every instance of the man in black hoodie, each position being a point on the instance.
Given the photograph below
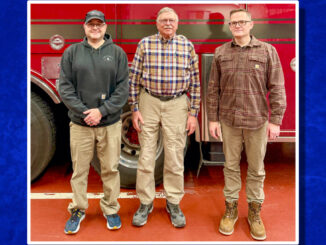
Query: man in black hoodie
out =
(94, 86)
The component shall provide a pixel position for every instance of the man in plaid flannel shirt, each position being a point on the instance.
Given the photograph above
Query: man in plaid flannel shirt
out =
(244, 71)
(164, 70)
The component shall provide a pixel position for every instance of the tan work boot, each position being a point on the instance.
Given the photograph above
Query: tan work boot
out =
(257, 228)
(229, 218)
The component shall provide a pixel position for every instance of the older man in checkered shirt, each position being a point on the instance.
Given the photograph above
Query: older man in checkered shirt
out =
(164, 70)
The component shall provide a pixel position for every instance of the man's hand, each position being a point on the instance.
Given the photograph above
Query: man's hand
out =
(191, 124)
(273, 131)
(93, 117)
(137, 120)
(215, 129)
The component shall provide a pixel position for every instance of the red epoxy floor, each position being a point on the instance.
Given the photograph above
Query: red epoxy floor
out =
(203, 206)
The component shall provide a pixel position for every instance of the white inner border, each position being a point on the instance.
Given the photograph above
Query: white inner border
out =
(32, 196)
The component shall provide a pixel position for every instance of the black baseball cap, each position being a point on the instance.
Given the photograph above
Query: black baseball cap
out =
(94, 14)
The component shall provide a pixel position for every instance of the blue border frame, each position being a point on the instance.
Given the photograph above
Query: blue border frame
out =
(13, 122)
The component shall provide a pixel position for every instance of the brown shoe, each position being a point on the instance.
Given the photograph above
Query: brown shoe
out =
(229, 218)
(257, 228)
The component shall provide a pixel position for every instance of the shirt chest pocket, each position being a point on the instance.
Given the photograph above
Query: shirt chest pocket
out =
(180, 64)
(226, 63)
(257, 64)
(180, 59)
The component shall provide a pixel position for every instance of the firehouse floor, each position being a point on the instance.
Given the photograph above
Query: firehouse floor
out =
(203, 206)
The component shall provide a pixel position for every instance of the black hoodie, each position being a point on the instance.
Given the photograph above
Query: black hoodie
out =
(94, 78)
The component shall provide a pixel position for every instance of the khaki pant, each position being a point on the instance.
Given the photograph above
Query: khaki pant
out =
(172, 117)
(108, 145)
(255, 142)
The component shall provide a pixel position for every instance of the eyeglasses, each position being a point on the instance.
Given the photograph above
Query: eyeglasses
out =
(240, 22)
(92, 25)
(165, 21)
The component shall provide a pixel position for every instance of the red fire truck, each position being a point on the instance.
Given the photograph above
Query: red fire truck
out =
(53, 27)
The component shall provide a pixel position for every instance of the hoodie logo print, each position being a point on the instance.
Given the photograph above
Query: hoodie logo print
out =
(108, 58)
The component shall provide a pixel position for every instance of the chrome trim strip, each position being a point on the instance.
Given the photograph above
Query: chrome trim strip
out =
(46, 88)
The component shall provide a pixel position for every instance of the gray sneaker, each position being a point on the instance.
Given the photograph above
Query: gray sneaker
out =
(176, 215)
(141, 215)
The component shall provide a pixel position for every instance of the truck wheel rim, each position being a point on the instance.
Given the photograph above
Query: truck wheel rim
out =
(130, 147)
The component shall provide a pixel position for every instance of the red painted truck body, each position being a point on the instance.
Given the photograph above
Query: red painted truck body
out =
(53, 27)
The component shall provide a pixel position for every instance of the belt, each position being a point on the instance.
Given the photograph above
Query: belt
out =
(164, 98)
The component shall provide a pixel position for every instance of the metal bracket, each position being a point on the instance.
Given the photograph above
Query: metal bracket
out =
(204, 162)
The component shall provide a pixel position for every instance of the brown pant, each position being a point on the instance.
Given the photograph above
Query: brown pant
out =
(107, 141)
(172, 117)
(255, 142)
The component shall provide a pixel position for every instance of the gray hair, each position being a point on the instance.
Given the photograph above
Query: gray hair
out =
(164, 10)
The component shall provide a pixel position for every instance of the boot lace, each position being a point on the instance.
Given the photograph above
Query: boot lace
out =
(255, 213)
(114, 215)
(143, 208)
(175, 208)
(76, 214)
(230, 209)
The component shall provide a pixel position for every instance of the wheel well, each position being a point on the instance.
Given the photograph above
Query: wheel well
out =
(42, 94)
(61, 121)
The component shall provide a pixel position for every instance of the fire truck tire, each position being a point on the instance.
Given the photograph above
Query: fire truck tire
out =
(43, 135)
(128, 175)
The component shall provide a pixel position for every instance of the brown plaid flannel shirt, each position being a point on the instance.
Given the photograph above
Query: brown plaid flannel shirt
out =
(240, 80)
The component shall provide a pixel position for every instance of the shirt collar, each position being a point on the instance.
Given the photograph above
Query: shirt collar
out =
(253, 42)
(165, 40)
